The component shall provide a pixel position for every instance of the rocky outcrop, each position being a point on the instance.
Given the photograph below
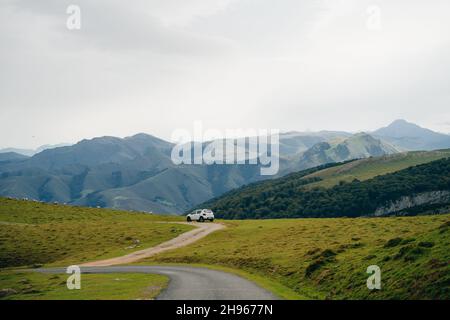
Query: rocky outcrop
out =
(406, 202)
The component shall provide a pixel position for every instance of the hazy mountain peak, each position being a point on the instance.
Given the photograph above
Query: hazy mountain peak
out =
(402, 122)
(145, 137)
(410, 136)
(403, 128)
(141, 135)
(361, 135)
(102, 139)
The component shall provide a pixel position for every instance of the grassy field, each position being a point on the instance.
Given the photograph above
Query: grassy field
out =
(328, 258)
(37, 286)
(365, 169)
(35, 233)
(296, 258)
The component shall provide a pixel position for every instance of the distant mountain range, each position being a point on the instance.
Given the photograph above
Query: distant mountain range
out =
(136, 173)
(32, 152)
(357, 146)
(11, 156)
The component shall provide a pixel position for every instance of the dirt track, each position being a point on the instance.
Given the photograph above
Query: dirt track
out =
(201, 230)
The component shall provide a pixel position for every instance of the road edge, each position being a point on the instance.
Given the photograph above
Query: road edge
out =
(276, 288)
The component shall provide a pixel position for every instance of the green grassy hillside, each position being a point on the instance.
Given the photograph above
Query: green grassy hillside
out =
(365, 169)
(36, 233)
(311, 258)
(313, 193)
(328, 258)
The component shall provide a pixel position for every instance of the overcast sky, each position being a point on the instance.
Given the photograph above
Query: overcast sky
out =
(158, 65)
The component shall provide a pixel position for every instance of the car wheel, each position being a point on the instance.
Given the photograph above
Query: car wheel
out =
(189, 219)
(201, 219)
(211, 219)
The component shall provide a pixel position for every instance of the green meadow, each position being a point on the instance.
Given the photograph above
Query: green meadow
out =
(33, 233)
(328, 258)
(294, 258)
(37, 286)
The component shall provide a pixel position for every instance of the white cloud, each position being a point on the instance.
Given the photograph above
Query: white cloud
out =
(157, 65)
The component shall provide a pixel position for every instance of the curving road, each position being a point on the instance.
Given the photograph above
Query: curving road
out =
(186, 283)
(190, 283)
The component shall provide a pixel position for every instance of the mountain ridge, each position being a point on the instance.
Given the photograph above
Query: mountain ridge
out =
(137, 173)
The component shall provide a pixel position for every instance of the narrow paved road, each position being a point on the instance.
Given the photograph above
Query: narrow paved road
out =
(184, 239)
(186, 283)
(190, 283)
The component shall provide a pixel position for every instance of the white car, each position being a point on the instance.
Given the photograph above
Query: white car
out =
(200, 215)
